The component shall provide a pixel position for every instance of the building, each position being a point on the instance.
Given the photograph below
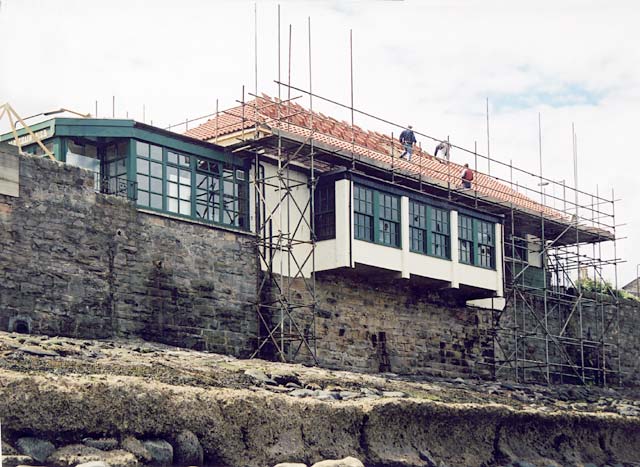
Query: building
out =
(331, 207)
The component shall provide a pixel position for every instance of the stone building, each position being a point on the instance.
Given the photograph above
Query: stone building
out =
(271, 230)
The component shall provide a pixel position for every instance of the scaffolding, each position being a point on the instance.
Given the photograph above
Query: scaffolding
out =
(549, 328)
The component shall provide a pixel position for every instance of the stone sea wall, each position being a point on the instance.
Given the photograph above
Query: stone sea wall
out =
(78, 263)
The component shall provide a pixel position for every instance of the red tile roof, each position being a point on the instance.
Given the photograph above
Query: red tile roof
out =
(293, 118)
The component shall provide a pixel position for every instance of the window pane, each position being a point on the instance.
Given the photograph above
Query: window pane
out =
(156, 201)
(172, 174)
(172, 157)
(185, 192)
(172, 204)
(185, 177)
(155, 152)
(172, 189)
(143, 166)
(142, 149)
(185, 208)
(143, 198)
(156, 169)
(156, 185)
(143, 182)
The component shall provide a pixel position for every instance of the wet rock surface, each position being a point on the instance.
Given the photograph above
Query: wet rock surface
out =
(127, 403)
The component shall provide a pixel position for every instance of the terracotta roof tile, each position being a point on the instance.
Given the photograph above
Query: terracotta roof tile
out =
(295, 119)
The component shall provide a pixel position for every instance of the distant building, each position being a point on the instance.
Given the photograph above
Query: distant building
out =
(633, 287)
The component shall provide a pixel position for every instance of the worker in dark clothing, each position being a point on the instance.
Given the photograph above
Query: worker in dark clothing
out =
(466, 176)
(408, 139)
(443, 147)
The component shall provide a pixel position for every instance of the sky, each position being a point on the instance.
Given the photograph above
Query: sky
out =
(433, 64)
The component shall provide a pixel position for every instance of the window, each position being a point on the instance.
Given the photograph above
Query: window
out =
(429, 230)
(324, 217)
(382, 210)
(208, 190)
(363, 213)
(178, 183)
(418, 227)
(465, 239)
(476, 242)
(114, 170)
(486, 244)
(439, 232)
(220, 193)
(149, 175)
(389, 221)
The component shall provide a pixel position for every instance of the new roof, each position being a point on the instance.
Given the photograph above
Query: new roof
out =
(294, 119)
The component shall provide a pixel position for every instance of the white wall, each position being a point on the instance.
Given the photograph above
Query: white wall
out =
(346, 251)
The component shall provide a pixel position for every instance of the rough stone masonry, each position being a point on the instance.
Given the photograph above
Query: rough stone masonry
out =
(79, 263)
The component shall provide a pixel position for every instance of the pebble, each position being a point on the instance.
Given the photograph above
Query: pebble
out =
(38, 449)
(346, 462)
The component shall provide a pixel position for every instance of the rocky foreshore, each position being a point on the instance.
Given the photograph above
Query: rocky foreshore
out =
(67, 402)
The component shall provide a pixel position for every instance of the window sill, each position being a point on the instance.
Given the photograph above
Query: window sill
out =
(191, 220)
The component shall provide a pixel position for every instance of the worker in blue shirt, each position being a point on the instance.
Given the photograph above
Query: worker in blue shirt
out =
(408, 139)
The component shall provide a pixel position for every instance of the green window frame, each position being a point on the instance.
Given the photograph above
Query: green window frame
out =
(150, 175)
(178, 187)
(429, 230)
(376, 216)
(220, 193)
(363, 213)
(189, 186)
(476, 242)
(324, 215)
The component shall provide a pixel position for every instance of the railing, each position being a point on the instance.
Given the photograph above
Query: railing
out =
(119, 187)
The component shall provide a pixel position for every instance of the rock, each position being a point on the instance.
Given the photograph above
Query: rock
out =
(346, 395)
(526, 464)
(135, 447)
(628, 410)
(94, 464)
(39, 351)
(346, 462)
(161, 451)
(427, 458)
(290, 464)
(74, 454)
(8, 450)
(393, 394)
(15, 461)
(36, 448)
(286, 379)
(259, 376)
(370, 392)
(105, 444)
(302, 393)
(326, 395)
(188, 450)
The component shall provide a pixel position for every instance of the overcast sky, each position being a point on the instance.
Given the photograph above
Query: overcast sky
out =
(428, 63)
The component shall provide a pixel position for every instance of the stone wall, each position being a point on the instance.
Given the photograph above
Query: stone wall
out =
(78, 263)
(371, 324)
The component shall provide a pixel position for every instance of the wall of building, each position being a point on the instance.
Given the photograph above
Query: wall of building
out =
(78, 263)
(372, 322)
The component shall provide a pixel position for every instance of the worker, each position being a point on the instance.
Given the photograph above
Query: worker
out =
(444, 148)
(408, 139)
(466, 176)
